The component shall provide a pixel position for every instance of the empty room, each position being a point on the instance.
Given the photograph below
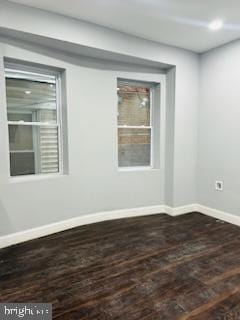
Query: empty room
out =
(119, 160)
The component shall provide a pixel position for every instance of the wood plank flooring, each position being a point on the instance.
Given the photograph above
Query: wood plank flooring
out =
(147, 268)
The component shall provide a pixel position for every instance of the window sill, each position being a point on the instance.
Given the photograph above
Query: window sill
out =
(127, 169)
(36, 177)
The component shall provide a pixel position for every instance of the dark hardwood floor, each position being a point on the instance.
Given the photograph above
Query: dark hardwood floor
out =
(146, 268)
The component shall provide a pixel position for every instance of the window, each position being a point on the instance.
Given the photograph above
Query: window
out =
(33, 121)
(135, 131)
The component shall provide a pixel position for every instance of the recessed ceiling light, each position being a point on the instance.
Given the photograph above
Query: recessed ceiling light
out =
(28, 92)
(216, 24)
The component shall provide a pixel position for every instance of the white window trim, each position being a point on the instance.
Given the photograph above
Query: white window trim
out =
(60, 124)
(150, 127)
(158, 155)
(35, 177)
(136, 168)
(51, 77)
(152, 130)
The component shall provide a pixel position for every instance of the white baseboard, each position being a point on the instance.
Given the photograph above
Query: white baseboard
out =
(177, 211)
(45, 230)
(218, 214)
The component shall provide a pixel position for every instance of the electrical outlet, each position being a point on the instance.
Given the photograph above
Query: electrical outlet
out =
(219, 185)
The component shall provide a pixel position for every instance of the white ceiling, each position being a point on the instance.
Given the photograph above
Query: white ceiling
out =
(181, 23)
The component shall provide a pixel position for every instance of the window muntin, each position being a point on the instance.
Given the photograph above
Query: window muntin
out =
(33, 122)
(134, 124)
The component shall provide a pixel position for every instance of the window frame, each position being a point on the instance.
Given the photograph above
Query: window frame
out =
(138, 82)
(43, 73)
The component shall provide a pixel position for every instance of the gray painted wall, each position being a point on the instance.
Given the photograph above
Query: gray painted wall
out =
(219, 129)
(94, 184)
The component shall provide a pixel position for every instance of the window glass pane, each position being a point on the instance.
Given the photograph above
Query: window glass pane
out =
(20, 137)
(33, 149)
(26, 117)
(33, 97)
(134, 147)
(133, 105)
(22, 163)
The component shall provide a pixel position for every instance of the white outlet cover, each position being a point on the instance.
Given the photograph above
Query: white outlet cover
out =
(219, 185)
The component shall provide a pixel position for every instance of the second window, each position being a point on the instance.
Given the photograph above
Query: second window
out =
(135, 130)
